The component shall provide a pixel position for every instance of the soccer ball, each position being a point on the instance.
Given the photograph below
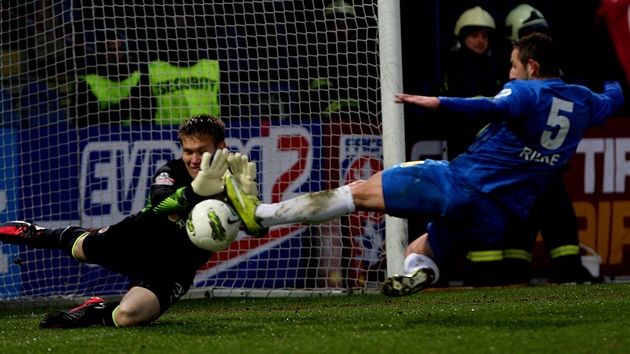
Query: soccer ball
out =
(212, 225)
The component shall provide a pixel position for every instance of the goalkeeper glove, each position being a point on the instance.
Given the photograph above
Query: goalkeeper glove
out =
(244, 173)
(209, 179)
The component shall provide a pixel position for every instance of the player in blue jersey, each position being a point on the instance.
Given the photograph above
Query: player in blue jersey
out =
(537, 126)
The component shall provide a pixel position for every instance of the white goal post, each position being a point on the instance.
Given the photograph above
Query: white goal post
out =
(393, 121)
(93, 92)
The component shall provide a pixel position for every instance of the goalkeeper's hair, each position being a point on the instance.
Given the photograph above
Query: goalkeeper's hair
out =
(541, 48)
(203, 125)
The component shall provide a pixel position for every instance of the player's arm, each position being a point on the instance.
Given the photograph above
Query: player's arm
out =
(607, 103)
(429, 102)
(614, 94)
(490, 108)
(164, 196)
(498, 107)
(478, 108)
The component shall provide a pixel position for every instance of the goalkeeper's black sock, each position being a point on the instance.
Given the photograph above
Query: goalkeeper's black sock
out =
(108, 314)
(69, 237)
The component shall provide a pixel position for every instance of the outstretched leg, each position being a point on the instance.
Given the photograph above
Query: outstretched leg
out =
(315, 207)
(25, 233)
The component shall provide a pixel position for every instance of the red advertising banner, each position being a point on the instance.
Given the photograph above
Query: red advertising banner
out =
(355, 152)
(599, 183)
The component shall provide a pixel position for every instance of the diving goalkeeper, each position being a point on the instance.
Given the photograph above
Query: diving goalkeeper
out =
(151, 247)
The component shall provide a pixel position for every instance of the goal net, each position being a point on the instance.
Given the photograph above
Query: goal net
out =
(93, 93)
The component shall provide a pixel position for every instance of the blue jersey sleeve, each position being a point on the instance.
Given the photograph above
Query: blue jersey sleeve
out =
(609, 102)
(504, 105)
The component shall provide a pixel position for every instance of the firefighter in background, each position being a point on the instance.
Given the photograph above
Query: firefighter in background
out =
(471, 67)
(553, 214)
(470, 71)
(184, 80)
(112, 88)
(520, 21)
(523, 20)
(340, 75)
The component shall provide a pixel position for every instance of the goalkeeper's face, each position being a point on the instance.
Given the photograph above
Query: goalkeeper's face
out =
(193, 148)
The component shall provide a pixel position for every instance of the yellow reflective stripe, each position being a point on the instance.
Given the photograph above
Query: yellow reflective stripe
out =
(77, 241)
(482, 129)
(515, 253)
(567, 250)
(485, 256)
(321, 83)
(114, 317)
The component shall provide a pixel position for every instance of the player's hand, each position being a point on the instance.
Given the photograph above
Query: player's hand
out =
(422, 101)
(209, 180)
(244, 172)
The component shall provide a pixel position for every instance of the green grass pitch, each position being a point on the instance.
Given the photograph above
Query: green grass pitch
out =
(532, 319)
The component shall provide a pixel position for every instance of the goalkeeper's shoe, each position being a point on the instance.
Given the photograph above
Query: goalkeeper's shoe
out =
(25, 233)
(245, 206)
(407, 284)
(88, 314)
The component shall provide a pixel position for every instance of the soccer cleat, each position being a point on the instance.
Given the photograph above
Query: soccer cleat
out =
(407, 284)
(88, 314)
(25, 233)
(245, 206)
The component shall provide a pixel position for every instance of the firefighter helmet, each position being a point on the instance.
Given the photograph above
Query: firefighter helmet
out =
(339, 8)
(474, 17)
(524, 19)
